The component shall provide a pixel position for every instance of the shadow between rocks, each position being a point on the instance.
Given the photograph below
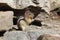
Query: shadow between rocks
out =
(40, 37)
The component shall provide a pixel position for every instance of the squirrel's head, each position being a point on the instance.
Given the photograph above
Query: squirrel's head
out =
(29, 16)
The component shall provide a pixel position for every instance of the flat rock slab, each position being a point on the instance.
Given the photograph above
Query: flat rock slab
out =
(16, 35)
(6, 20)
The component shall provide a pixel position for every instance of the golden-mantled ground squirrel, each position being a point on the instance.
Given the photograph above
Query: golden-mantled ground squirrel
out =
(23, 22)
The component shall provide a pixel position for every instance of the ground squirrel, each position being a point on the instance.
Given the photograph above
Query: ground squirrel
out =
(23, 22)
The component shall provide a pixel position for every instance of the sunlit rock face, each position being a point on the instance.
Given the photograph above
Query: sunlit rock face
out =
(6, 20)
(21, 4)
(47, 5)
(24, 3)
(54, 4)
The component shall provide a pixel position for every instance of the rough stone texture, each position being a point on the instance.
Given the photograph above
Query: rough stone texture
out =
(29, 35)
(11, 3)
(50, 24)
(34, 35)
(6, 20)
(20, 4)
(49, 21)
(16, 35)
(24, 3)
(54, 4)
(51, 37)
(47, 5)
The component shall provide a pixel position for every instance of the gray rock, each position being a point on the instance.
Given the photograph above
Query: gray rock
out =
(54, 4)
(6, 20)
(29, 35)
(51, 21)
(35, 34)
(47, 5)
(16, 35)
(20, 4)
(24, 3)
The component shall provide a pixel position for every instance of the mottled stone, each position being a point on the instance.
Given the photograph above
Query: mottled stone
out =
(20, 4)
(24, 3)
(31, 34)
(6, 20)
(16, 35)
(35, 34)
(45, 4)
(54, 4)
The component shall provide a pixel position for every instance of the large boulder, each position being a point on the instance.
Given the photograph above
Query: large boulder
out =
(45, 4)
(6, 20)
(20, 4)
(35, 34)
(29, 35)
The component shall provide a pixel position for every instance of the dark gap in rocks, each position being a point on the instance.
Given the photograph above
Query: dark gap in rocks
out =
(18, 13)
(36, 23)
(2, 33)
(19, 29)
(58, 13)
(5, 7)
(40, 37)
(15, 21)
(35, 1)
(57, 10)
